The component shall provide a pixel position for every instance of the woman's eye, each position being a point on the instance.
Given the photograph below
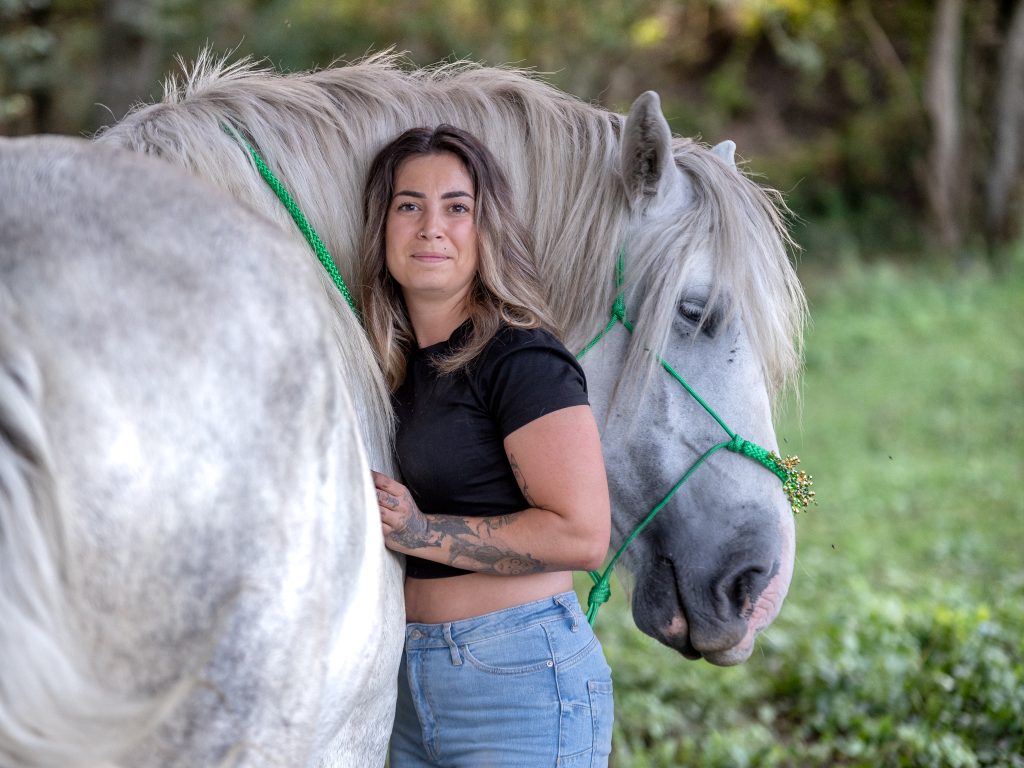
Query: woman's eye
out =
(460, 208)
(405, 207)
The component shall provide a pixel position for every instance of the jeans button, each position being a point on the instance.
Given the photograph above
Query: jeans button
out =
(415, 635)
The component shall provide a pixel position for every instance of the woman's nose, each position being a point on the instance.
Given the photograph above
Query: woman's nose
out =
(431, 226)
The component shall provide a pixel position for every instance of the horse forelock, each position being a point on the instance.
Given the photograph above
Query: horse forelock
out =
(752, 264)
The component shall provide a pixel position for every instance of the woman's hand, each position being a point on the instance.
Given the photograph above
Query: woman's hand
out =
(403, 524)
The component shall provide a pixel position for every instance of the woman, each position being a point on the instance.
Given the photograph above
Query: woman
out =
(506, 488)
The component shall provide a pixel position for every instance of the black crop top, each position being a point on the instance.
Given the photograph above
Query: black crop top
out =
(451, 427)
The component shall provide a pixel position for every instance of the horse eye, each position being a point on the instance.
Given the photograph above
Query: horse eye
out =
(691, 310)
(695, 312)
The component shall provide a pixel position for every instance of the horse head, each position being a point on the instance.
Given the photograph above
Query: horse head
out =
(703, 260)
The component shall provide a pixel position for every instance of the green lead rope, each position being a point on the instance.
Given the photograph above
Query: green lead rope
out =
(298, 217)
(796, 484)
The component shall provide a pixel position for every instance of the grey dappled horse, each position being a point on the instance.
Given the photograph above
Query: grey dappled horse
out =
(191, 565)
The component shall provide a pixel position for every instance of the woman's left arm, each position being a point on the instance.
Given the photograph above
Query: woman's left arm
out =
(558, 464)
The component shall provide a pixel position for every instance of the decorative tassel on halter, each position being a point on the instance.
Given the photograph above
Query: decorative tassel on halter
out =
(796, 484)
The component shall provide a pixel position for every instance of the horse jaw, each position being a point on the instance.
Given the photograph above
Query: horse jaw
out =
(723, 640)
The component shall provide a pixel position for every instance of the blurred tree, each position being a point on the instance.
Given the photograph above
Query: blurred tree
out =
(944, 104)
(1008, 119)
(131, 43)
(26, 73)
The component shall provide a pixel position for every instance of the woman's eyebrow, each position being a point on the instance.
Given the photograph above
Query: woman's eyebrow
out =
(445, 196)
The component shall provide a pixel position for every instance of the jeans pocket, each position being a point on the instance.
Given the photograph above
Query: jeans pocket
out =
(586, 728)
(511, 653)
(602, 711)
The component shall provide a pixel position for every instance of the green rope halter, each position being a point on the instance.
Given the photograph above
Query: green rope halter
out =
(796, 484)
(298, 217)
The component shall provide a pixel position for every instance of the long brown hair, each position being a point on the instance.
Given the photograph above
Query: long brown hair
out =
(506, 288)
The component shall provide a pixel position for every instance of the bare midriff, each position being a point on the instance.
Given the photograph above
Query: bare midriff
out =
(435, 601)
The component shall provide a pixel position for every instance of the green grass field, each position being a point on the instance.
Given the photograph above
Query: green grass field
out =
(901, 641)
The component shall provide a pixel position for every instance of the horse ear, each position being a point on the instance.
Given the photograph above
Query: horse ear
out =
(648, 168)
(727, 151)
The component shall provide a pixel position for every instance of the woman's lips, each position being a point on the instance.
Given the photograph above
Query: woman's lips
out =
(429, 257)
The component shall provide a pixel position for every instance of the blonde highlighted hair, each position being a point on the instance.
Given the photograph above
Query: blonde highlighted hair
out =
(506, 290)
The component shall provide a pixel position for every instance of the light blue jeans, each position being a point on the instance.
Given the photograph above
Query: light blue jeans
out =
(525, 687)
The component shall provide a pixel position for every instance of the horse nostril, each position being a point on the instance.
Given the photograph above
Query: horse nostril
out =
(738, 594)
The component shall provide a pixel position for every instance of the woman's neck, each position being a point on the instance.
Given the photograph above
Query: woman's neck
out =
(433, 323)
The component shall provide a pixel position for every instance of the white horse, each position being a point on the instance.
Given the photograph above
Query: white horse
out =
(707, 281)
(192, 571)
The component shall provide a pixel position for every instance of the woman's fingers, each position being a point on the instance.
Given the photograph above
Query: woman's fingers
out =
(394, 503)
(389, 491)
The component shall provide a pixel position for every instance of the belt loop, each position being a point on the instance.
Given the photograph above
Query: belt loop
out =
(568, 609)
(452, 647)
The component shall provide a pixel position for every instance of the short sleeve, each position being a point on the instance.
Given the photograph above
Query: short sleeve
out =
(525, 374)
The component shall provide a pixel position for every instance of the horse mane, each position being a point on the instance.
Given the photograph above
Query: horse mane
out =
(319, 130)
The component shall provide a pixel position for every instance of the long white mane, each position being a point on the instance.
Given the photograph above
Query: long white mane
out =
(319, 130)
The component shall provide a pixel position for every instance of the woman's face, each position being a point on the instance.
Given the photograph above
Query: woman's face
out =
(430, 234)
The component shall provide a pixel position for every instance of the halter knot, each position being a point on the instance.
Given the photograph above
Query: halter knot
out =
(619, 309)
(598, 594)
(754, 451)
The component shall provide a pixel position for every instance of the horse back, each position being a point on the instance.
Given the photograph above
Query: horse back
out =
(181, 449)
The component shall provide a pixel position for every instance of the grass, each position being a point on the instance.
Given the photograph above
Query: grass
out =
(901, 641)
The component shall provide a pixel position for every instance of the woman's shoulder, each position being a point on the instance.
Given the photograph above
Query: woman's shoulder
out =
(515, 351)
(525, 373)
(510, 338)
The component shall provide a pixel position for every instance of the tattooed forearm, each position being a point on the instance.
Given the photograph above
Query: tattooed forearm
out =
(493, 559)
(467, 547)
(521, 479)
(473, 543)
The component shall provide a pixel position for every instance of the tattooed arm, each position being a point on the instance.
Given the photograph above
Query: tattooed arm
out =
(557, 461)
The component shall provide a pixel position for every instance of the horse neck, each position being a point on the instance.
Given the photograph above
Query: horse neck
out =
(319, 131)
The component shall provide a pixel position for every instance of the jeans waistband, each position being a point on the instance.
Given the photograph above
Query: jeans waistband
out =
(564, 605)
